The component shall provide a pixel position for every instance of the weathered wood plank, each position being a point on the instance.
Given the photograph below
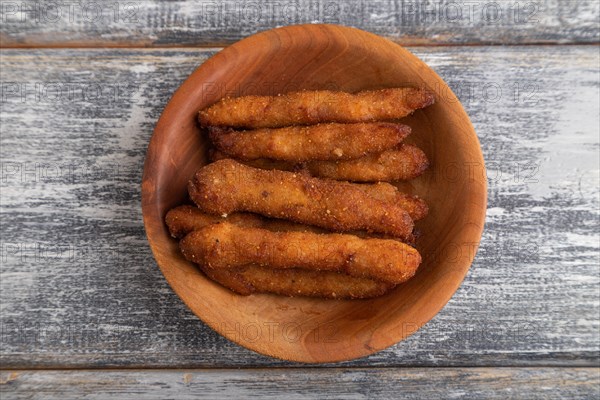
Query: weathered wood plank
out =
(78, 284)
(405, 383)
(208, 23)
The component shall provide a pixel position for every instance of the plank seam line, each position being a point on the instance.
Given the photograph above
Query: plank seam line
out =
(221, 45)
(324, 368)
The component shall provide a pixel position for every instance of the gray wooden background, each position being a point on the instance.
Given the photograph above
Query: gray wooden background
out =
(85, 312)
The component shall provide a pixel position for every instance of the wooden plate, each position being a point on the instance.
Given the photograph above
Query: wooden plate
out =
(317, 57)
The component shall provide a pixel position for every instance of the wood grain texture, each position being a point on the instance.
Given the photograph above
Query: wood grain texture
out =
(79, 286)
(33, 23)
(405, 383)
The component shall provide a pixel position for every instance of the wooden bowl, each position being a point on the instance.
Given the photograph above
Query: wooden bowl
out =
(318, 57)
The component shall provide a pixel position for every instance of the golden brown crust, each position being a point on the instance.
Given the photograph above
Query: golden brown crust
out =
(262, 163)
(227, 246)
(416, 207)
(231, 279)
(227, 186)
(184, 219)
(313, 107)
(297, 282)
(404, 163)
(331, 141)
(254, 279)
(292, 253)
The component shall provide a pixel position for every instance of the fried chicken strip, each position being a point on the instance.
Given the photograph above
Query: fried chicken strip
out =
(404, 163)
(304, 143)
(297, 282)
(262, 163)
(227, 246)
(313, 107)
(227, 186)
(256, 279)
(414, 205)
(184, 219)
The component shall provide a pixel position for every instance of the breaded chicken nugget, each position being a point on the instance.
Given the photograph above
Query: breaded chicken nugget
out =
(404, 163)
(305, 143)
(297, 282)
(313, 107)
(227, 246)
(227, 186)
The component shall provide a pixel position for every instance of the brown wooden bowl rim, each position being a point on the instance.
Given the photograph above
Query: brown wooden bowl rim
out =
(148, 188)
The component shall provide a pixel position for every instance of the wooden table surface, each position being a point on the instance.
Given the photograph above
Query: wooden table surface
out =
(86, 312)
